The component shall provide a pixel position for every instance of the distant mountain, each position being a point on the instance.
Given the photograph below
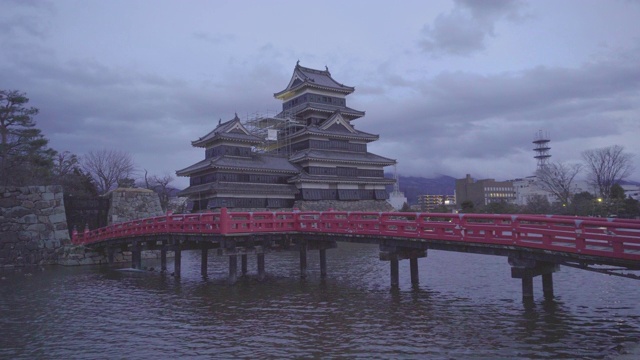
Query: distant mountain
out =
(629, 182)
(412, 186)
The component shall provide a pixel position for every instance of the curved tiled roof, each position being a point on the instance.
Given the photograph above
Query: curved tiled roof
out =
(244, 188)
(328, 108)
(230, 130)
(257, 162)
(307, 77)
(341, 157)
(304, 177)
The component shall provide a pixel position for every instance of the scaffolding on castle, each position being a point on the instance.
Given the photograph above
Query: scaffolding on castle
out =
(274, 130)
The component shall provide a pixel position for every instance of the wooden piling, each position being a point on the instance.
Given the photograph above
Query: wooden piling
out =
(527, 288)
(547, 285)
(323, 263)
(303, 260)
(413, 263)
(395, 274)
(136, 256)
(233, 269)
(243, 264)
(163, 258)
(177, 261)
(261, 273)
(204, 260)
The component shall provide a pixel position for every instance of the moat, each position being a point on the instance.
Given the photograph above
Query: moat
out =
(466, 306)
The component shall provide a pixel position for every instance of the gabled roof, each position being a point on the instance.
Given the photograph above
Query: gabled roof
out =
(257, 162)
(340, 157)
(307, 77)
(337, 123)
(331, 133)
(336, 127)
(231, 130)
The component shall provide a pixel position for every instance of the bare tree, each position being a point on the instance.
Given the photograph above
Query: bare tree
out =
(558, 179)
(607, 166)
(159, 184)
(107, 167)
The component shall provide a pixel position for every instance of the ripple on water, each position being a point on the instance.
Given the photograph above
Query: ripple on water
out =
(453, 313)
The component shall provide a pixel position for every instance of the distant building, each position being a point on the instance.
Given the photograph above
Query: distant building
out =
(397, 198)
(527, 188)
(484, 192)
(309, 152)
(429, 202)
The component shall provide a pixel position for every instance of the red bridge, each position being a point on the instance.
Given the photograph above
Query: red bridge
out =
(534, 244)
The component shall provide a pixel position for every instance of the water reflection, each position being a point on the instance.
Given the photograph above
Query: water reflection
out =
(466, 306)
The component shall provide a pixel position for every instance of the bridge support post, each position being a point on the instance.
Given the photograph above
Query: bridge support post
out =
(303, 259)
(204, 258)
(323, 263)
(527, 288)
(177, 261)
(163, 258)
(136, 256)
(394, 254)
(261, 273)
(110, 254)
(413, 264)
(547, 285)
(527, 269)
(395, 273)
(233, 269)
(243, 264)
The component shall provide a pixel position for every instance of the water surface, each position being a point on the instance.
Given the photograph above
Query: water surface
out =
(466, 307)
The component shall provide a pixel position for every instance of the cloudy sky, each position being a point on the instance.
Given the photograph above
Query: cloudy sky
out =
(452, 87)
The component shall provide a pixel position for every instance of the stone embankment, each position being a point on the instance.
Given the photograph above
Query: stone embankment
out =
(126, 204)
(33, 225)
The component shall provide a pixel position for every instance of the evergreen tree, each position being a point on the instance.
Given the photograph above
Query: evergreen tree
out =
(25, 158)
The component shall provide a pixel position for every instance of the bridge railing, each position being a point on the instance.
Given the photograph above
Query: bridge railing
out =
(595, 236)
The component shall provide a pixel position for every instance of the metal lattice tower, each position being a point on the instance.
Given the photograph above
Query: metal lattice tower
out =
(541, 140)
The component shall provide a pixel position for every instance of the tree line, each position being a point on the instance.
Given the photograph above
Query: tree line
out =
(26, 158)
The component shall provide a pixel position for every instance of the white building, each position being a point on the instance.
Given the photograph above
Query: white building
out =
(527, 188)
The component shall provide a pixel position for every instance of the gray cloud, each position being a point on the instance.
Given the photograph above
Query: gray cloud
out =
(442, 116)
(465, 29)
(475, 119)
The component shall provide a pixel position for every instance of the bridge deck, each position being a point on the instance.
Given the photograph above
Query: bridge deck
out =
(594, 240)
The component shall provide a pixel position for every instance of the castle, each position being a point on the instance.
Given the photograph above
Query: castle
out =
(308, 156)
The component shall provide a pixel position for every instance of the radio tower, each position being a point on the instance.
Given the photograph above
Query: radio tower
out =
(542, 148)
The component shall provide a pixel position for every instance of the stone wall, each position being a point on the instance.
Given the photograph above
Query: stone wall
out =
(33, 225)
(130, 204)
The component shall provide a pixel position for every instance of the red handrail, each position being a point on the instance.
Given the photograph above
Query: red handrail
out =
(614, 238)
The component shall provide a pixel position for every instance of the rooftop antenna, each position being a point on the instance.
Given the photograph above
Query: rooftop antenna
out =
(541, 140)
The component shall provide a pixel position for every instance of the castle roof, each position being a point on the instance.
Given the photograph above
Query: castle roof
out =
(231, 130)
(336, 127)
(340, 157)
(326, 108)
(246, 189)
(306, 77)
(304, 177)
(257, 162)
